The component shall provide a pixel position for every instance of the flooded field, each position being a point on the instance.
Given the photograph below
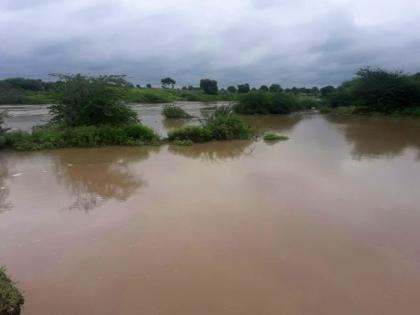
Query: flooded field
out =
(324, 223)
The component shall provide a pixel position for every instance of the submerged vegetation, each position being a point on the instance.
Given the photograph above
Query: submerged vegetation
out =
(223, 124)
(271, 137)
(173, 111)
(264, 102)
(11, 300)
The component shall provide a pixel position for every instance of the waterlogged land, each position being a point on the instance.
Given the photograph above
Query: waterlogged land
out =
(324, 223)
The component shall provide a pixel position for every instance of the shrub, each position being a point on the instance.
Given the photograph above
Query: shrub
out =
(11, 300)
(224, 124)
(2, 130)
(209, 86)
(192, 133)
(260, 102)
(269, 136)
(85, 136)
(173, 111)
(88, 100)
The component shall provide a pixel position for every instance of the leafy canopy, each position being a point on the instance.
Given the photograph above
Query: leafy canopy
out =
(89, 100)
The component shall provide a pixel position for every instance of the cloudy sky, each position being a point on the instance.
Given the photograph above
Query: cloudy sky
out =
(292, 42)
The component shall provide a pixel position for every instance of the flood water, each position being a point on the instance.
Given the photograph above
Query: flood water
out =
(324, 223)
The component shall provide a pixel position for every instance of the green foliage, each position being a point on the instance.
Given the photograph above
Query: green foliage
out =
(243, 88)
(223, 124)
(270, 136)
(232, 89)
(264, 88)
(209, 86)
(327, 90)
(275, 88)
(85, 136)
(88, 100)
(258, 102)
(11, 300)
(166, 82)
(325, 110)
(173, 111)
(377, 90)
(191, 133)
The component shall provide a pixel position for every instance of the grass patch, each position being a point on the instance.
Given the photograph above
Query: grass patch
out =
(88, 136)
(184, 143)
(173, 111)
(271, 137)
(11, 300)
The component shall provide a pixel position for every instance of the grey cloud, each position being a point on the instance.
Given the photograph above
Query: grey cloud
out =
(256, 41)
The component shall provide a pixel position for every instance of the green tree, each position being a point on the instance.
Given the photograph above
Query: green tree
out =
(148, 85)
(264, 88)
(243, 88)
(166, 82)
(89, 100)
(326, 90)
(209, 86)
(275, 88)
(231, 89)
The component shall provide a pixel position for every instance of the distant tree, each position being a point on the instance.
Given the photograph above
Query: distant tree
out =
(275, 88)
(326, 90)
(184, 88)
(26, 84)
(231, 89)
(138, 86)
(209, 86)
(148, 85)
(315, 91)
(190, 87)
(89, 100)
(264, 88)
(243, 88)
(166, 82)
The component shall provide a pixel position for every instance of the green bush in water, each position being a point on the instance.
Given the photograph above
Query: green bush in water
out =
(191, 133)
(173, 111)
(11, 300)
(223, 124)
(86, 136)
(270, 136)
(261, 102)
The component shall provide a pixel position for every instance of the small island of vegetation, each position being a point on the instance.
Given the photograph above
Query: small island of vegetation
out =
(11, 299)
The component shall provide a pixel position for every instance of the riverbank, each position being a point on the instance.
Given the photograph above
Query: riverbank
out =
(11, 299)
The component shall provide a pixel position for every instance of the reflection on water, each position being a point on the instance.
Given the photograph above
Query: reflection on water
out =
(98, 175)
(214, 151)
(325, 223)
(376, 137)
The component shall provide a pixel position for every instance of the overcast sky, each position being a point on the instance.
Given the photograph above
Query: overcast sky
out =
(292, 42)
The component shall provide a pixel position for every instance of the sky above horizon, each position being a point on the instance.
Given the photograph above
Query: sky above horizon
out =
(294, 43)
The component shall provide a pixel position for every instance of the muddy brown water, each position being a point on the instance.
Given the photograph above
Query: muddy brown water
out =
(325, 223)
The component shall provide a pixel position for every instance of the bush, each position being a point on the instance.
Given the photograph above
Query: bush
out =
(223, 124)
(172, 111)
(88, 101)
(260, 102)
(269, 136)
(11, 300)
(85, 136)
(192, 133)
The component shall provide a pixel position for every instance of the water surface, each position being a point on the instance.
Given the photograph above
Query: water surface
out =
(325, 223)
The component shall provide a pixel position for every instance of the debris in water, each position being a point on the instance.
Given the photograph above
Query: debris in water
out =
(17, 174)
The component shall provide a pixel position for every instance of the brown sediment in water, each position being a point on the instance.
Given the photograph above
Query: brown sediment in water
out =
(322, 224)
